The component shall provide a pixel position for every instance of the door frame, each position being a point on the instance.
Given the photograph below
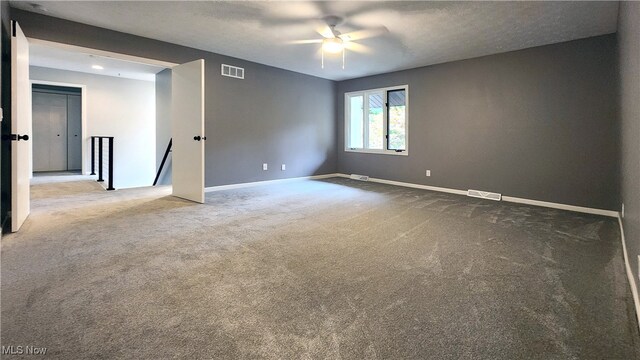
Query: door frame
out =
(104, 53)
(83, 98)
(90, 51)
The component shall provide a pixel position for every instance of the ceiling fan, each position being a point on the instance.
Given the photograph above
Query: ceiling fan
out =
(334, 42)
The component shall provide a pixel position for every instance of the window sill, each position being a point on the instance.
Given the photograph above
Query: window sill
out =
(379, 152)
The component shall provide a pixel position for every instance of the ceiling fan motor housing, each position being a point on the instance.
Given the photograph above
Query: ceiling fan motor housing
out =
(333, 20)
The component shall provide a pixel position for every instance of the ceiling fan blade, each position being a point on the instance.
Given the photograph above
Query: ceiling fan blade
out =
(364, 34)
(359, 48)
(325, 31)
(297, 42)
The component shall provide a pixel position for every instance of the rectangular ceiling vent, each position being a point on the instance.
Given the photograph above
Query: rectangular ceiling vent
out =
(232, 71)
(359, 177)
(484, 195)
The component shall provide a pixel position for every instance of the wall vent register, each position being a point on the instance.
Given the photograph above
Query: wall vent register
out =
(232, 71)
(359, 177)
(484, 195)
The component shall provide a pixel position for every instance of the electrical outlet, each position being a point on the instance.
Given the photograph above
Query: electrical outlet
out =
(283, 167)
(428, 172)
(622, 212)
(265, 166)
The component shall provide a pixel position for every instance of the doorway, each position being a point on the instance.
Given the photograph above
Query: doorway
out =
(188, 147)
(57, 128)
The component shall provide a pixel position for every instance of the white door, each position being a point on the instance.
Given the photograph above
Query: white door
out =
(187, 130)
(20, 128)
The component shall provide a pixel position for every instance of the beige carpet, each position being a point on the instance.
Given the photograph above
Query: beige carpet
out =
(331, 269)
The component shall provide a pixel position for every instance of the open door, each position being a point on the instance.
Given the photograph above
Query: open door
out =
(20, 128)
(187, 130)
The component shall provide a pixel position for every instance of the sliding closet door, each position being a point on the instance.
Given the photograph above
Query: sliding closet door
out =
(49, 132)
(74, 132)
(41, 132)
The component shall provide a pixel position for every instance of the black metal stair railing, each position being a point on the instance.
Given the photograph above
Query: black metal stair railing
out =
(100, 158)
(164, 159)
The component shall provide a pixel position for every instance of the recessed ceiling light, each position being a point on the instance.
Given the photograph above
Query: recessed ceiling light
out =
(97, 67)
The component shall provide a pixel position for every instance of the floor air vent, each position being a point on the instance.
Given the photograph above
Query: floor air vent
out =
(484, 195)
(359, 177)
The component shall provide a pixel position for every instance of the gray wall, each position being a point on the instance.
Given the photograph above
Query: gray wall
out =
(274, 115)
(629, 57)
(539, 123)
(163, 124)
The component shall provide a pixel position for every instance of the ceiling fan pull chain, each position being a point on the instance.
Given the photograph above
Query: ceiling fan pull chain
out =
(343, 58)
(322, 58)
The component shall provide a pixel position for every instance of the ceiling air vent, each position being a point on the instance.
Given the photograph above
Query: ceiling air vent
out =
(232, 71)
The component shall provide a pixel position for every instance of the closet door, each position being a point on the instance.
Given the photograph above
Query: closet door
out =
(41, 132)
(74, 132)
(49, 132)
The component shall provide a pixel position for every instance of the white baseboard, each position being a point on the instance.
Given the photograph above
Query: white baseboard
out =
(630, 276)
(547, 204)
(266, 182)
(410, 185)
(580, 209)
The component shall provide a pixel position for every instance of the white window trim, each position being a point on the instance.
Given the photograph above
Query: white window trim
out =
(347, 129)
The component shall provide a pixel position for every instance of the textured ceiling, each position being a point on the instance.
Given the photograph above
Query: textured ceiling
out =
(420, 33)
(45, 55)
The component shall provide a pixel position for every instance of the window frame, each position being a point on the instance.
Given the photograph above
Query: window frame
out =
(365, 94)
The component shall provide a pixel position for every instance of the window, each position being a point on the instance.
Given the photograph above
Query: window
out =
(376, 121)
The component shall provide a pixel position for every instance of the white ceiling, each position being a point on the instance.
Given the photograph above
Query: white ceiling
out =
(52, 56)
(420, 33)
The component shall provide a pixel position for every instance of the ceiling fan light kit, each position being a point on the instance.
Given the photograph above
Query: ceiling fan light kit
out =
(332, 46)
